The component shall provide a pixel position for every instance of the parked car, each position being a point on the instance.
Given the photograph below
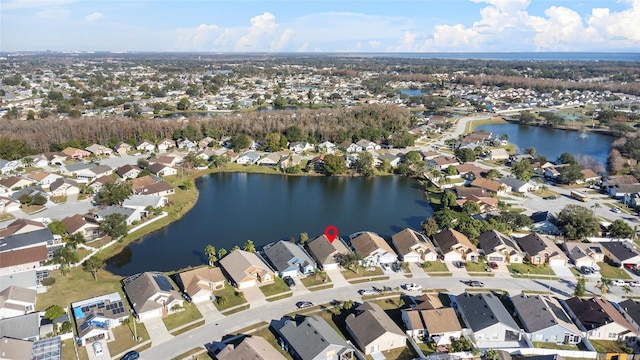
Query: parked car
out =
(187, 297)
(412, 287)
(97, 348)
(396, 267)
(365, 292)
(474, 283)
(550, 197)
(586, 270)
(289, 281)
(131, 355)
(617, 282)
(616, 210)
(304, 304)
(493, 264)
(458, 264)
(634, 283)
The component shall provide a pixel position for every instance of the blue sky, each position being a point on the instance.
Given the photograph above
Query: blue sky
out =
(320, 26)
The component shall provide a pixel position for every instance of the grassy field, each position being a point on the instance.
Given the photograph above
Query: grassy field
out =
(527, 269)
(434, 266)
(277, 287)
(609, 272)
(476, 267)
(472, 125)
(124, 337)
(605, 346)
(232, 299)
(311, 280)
(362, 272)
(68, 351)
(190, 313)
(554, 346)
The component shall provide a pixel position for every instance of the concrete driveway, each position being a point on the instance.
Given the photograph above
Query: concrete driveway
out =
(562, 271)
(208, 310)
(157, 331)
(92, 355)
(254, 296)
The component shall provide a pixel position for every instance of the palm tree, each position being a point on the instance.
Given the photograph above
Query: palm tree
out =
(595, 206)
(249, 246)
(351, 261)
(627, 290)
(210, 251)
(604, 285)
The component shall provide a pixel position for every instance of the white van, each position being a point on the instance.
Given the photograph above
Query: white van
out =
(97, 348)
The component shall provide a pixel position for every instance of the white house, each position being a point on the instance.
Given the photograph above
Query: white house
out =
(298, 147)
(16, 301)
(95, 317)
(413, 246)
(327, 147)
(250, 157)
(373, 249)
(145, 146)
(7, 166)
(367, 145)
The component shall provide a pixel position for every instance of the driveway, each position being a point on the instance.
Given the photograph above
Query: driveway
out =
(336, 278)
(157, 331)
(208, 310)
(562, 271)
(92, 355)
(254, 296)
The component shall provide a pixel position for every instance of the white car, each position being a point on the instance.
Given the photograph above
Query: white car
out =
(412, 287)
(634, 283)
(618, 283)
(97, 348)
(366, 292)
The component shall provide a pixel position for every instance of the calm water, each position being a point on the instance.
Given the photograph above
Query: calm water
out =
(411, 92)
(553, 142)
(234, 207)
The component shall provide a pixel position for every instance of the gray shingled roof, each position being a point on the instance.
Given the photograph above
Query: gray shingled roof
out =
(21, 327)
(484, 310)
(26, 239)
(540, 312)
(490, 239)
(312, 337)
(370, 324)
(324, 251)
(283, 254)
(620, 249)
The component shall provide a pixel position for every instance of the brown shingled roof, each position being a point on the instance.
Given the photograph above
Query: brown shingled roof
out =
(23, 256)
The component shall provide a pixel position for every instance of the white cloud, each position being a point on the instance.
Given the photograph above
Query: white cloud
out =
(282, 41)
(198, 38)
(94, 16)
(261, 26)
(374, 43)
(303, 47)
(406, 43)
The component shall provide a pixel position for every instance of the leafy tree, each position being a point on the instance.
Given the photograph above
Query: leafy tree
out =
(351, 261)
(448, 199)
(429, 226)
(493, 174)
(385, 167)
(619, 229)
(465, 155)
(93, 265)
(402, 140)
(113, 193)
(604, 285)
(222, 300)
(304, 237)
(523, 170)
(445, 218)
(235, 247)
(571, 174)
(526, 117)
(334, 165)
(364, 165)
(577, 222)
(294, 134)
(75, 239)
(210, 251)
(272, 142)
(412, 158)
(451, 171)
(54, 312)
(580, 287)
(531, 151)
(566, 158)
(65, 256)
(513, 220)
(14, 149)
(183, 104)
(491, 354)
(249, 246)
(57, 227)
(461, 344)
(471, 207)
(240, 141)
(114, 225)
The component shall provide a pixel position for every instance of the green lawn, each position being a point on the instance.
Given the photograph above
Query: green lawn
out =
(554, 346)
(434, 266)
(124, 337)
(68, 351)
(527, 269)
(609, 272)
(362, 272)
(230, 294)
(189, 314)
(476, 267)
(605, 346)
(277, 287)
(311, 280)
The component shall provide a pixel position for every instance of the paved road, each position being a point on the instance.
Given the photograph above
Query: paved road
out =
(214, 331)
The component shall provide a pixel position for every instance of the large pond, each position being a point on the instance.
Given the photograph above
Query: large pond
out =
(553, 142)
(235, 207)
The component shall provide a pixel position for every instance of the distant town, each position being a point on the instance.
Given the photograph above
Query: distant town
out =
(524, 255)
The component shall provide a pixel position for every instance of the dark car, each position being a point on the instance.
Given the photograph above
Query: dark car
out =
(586, 270)
(289, 281)
(304, 304)
(131, 355)
(458, 264)
(493, 264)
(474, 283)
(187, 297)
(550, 197)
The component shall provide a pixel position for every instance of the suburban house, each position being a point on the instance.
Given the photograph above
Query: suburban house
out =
(24, 327)
(55, 158)
(518, 185)
(373, 249)
(492, 186)
(312, 338)
(201, 282)
(170, 159)
(290, 161)
(373, 330)
(8, 205)
(540, 250)
(17, 349)
(489, 320)
(599, 319)
(159, 169)
(151, 185)
(142, 202)
(544, 223)
(498, 154)
(86, 225)
(455, 246)
(544, 320)
(251, 347)
(327, 254)
(298, 147)
(144, 145)
(289, 259)
(413, 246)
(327, 147)
(43, 178)
(430, 320)
(82, 171)
(21, 226)
(131, 215)
(245, 269)
(204, 142)
(630, 309)
(470, 171)
(367, 145)
(7, 166)
(94, 317)
(270, 160)
(73, 153)
(350, 147)
(590, 176)
(22, 259)
(621, 253)
(64, 187)
(584, 254)
(394, 160)
(442, 162)
(31, 191)
(16, 301)
(8, 185)
(97, 183)
(128, 171)
(186, 144)
(122, 148)
(165, 145)
(98, 150)
(500, 248)
(250, 157)
(152, 295)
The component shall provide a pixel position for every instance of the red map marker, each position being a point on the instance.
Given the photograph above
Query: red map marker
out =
(331, 232)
